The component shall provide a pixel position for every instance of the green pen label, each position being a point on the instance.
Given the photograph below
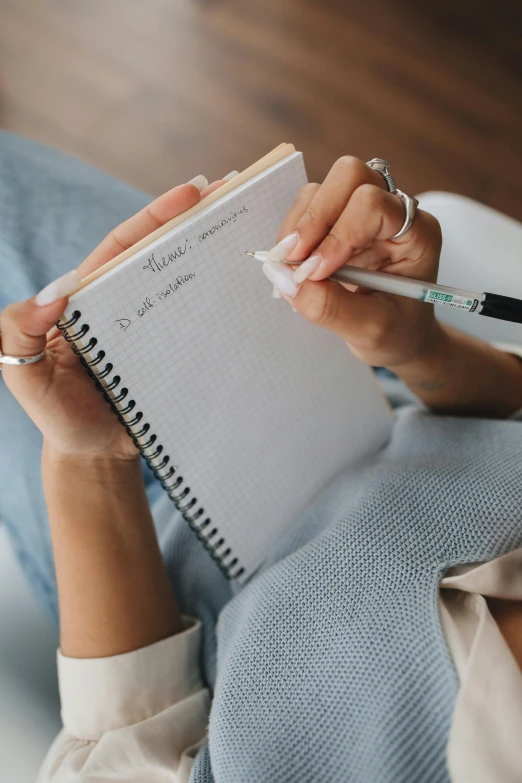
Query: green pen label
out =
(450, 300)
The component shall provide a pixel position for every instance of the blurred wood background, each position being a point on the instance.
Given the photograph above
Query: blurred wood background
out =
(157, 91)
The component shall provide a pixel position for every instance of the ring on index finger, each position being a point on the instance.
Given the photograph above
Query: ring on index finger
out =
(410, 208)
(409, 203)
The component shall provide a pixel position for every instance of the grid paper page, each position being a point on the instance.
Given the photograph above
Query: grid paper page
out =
(258, 409)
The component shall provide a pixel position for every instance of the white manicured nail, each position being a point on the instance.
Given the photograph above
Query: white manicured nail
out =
(284, 247)
(231, 175)
(281, 276)
(200, 182)
(276, 293)
(306, 269)
(64, 286)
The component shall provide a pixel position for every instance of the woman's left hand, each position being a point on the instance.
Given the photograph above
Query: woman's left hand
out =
(57, 393)
(352, 218)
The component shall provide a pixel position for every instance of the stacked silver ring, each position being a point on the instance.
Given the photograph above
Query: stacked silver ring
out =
(409, 202)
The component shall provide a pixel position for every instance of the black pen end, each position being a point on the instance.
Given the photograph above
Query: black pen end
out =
(506, 308)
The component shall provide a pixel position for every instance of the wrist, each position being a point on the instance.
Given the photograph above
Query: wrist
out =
(462, 375)
(101, 467)
(433, 348)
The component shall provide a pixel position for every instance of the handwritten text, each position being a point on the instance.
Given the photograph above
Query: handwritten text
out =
(230, 219)
(158, 265)
(153, 301)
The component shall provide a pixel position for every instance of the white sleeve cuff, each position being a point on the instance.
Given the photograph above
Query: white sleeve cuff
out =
(102, 694)
(514, 348)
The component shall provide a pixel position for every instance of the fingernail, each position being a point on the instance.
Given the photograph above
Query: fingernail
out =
(276, 293)
(231, 175)
(200, 182)
(284, 247)
(281, 276)
(306, 269)
(64, 286)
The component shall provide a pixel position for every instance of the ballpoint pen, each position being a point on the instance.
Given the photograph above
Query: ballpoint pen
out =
(506, 308)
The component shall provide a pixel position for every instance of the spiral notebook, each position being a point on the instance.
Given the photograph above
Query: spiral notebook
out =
(243, 409)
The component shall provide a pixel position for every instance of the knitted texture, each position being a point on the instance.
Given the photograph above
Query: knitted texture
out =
(332, 664)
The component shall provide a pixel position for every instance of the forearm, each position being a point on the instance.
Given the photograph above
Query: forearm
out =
(462, 375)
(114, 594)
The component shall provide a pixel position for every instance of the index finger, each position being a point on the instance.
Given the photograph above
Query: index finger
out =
(346, 175)
(364, 233)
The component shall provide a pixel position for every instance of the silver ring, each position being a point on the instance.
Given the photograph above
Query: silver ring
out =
(383, 168)
(20, 360)
(410, 204)
(410, 208)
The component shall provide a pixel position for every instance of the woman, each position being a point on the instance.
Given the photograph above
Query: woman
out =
(332, 662)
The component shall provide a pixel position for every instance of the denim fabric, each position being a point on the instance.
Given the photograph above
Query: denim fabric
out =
(54, 210)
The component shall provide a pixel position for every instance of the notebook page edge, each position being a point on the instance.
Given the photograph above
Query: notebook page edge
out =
(188, 223)
(263, 164)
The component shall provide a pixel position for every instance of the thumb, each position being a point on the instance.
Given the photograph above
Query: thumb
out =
(24, 325)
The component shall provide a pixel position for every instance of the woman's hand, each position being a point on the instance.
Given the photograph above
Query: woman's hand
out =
(351, 218)
(99, 516)
(56, 392)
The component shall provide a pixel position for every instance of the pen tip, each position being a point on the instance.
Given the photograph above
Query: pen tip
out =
(248, 253)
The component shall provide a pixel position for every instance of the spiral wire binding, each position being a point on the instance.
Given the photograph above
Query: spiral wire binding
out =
(140, 433)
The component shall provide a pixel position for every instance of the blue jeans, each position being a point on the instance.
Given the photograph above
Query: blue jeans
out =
(53, 211)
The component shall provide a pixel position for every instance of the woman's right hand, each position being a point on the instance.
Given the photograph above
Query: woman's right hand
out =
(56, 392)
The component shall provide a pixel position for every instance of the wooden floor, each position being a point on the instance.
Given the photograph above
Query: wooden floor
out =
(157, 91)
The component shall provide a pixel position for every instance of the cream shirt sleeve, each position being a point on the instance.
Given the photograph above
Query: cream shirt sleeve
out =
(484, 742)
(135, 717)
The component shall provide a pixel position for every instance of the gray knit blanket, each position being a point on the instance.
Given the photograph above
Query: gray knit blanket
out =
(331, 663)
